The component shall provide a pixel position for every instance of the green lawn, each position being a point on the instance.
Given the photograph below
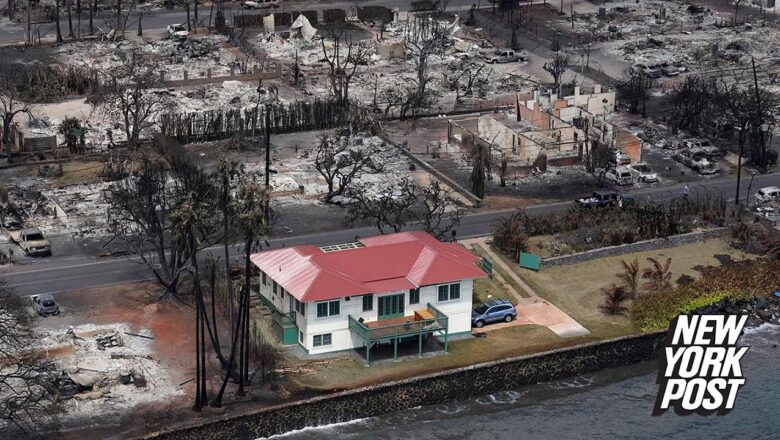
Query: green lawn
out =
(577, 289)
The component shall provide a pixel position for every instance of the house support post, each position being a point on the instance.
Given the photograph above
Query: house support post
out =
(419, 340)
(446, 346)
(395, 349)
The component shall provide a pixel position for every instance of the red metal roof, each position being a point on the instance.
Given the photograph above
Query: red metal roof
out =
(387, 263)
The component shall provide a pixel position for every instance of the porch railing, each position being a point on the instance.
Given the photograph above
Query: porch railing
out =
(412, 327)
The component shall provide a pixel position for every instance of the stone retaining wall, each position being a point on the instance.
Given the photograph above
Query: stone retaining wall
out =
(639, 246)
(437, 388)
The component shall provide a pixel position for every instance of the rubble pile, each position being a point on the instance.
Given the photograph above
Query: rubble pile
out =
(108, 370)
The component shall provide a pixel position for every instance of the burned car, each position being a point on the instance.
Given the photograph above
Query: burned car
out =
(44, 304)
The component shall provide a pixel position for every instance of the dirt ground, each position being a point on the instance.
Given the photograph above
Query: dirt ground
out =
(576, 289)
(172, 325)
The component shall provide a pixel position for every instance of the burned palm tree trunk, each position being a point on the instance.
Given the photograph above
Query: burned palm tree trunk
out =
(57, 20)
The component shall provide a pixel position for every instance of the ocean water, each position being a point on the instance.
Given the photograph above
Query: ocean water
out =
(610, 404)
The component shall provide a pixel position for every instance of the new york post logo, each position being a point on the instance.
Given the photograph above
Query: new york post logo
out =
(700, 368)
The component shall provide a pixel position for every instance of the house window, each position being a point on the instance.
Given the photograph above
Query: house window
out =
(281, 292)
(328, 308)
(265, 278)
(275, 287)
(323, 340)
(449, 292)
(455, 291)
(368, 303)
(414, 296)
(444, 293)
(300, 336)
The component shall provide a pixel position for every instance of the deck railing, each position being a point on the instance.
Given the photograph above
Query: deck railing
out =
(412, 327)
(283, 319)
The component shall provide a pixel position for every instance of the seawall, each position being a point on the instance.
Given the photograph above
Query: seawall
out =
(432, 389)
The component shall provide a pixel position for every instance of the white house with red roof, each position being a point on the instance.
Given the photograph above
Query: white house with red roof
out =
(380, 290)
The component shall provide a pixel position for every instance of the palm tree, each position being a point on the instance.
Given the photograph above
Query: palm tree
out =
(251, 205)
(658, 276)
(229, 173)
(613, 299)
(189, 229)
(630, 277)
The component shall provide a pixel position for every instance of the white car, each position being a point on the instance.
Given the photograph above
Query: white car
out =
(178, 31)
(619, 176)
(768, 194)
(260, 4)
(620, 158)
(643, 173)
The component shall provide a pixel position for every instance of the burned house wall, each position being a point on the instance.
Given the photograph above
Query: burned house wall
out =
(533, 115)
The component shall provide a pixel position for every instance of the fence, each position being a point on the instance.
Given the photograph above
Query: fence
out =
(293, 117)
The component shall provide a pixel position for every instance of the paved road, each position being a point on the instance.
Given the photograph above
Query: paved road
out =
(62, 275)
(157, 20)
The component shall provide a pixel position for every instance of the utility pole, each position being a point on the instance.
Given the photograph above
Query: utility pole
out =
(760, 124)
(267, 208)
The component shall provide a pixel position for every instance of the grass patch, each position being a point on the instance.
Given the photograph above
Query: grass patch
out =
(577, 289)
(348, 372)
(479, 250)
(490, 288)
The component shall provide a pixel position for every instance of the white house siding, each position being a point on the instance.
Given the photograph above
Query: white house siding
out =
(458, 311)
(279, 300)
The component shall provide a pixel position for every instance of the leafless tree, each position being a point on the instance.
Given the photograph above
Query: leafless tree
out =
(10, 106)
(432, 207)
(57, 20)
(464, 80)
(27, 402)
(379, 207)
(343, 60)
(692, 103)
(556, 68)
(635, 89)
(340, 162)
(436, 209)
(127, 90)
(141, 208)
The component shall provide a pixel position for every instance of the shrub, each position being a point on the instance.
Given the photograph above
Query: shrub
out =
(741, 280)
(509, 234)
(614, 296)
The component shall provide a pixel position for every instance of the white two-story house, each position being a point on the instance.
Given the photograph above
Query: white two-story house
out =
(386, 289)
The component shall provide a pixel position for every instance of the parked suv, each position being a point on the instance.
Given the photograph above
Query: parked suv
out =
(619, 176)
(505, 56)
(494, 310)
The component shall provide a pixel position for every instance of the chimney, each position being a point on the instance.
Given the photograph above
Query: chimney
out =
(576, 91)
(596, 88)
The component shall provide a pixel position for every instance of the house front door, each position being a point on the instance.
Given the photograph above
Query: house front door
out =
(391, 306)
